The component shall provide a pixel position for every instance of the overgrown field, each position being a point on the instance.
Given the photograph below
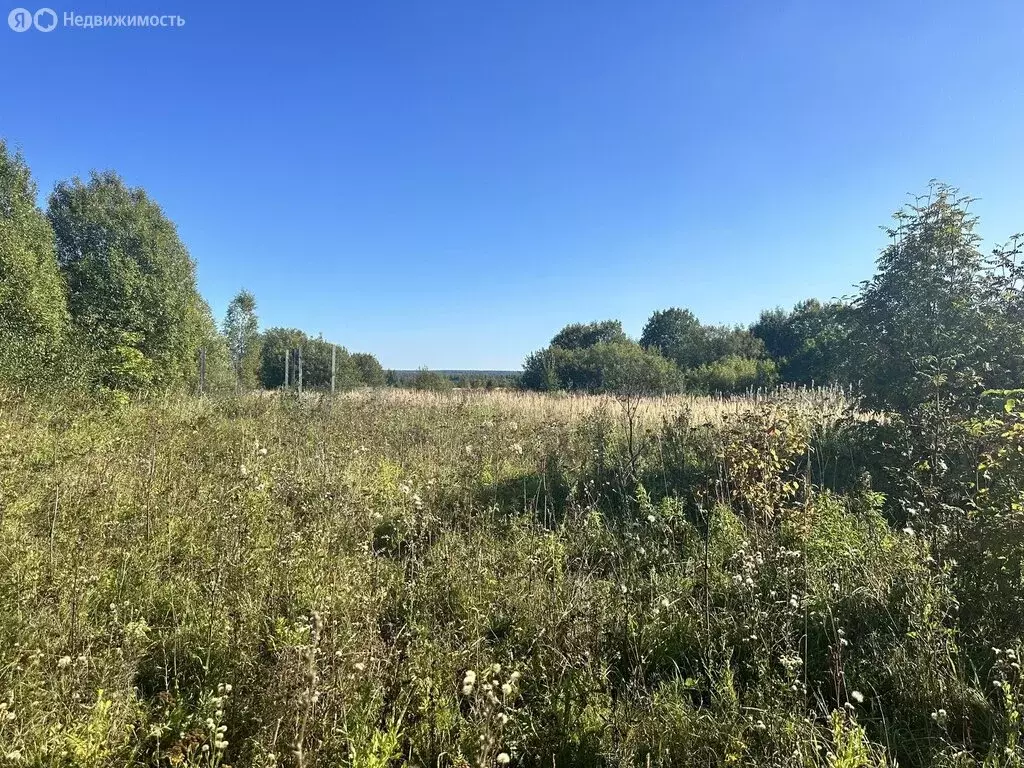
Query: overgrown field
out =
(455, 580)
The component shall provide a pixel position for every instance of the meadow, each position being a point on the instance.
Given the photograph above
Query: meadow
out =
(395, 578)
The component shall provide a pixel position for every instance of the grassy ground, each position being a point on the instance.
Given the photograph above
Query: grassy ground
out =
(465, 579)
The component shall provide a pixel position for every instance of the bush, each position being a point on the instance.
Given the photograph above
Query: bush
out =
(732, 375)
(431, 381)
(606, 367)
(370, 371)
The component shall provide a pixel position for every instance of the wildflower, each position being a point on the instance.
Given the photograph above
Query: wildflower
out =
(359, 666)
(503, 758)
(63, 662)
(468, 682)
(243, 471)
(857, 696)
(262, 451)
(506, 689)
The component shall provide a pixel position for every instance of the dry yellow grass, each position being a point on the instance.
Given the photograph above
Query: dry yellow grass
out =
(819, 404)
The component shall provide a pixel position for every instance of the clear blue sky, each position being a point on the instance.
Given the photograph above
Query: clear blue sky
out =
(447, 183)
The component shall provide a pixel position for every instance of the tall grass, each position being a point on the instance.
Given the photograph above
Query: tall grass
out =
(393, 578)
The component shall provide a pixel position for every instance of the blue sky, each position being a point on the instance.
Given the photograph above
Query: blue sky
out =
(447, 183)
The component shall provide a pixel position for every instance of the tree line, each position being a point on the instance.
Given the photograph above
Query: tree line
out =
(939, 319)
(99, 291)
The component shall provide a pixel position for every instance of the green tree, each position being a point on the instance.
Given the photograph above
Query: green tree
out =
(808, 344)
(241, 332)
(923, 321)
(347, 374)
(621, 367)
(316, 361)
(724, 341)
(541, 369)
(682, 338)
(370, 371)
(626, 368)
(583, 335)
(33, 304)
(678, 335)
(131, 283)
(1004, 296)
(274, 343)
(431, 381)
(220, 373)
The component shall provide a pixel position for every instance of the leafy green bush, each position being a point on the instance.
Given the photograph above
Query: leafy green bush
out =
(732, 375)
(613, 367)
(431, 381)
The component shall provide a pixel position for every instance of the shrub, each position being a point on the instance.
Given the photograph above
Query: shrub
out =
(732, 375)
